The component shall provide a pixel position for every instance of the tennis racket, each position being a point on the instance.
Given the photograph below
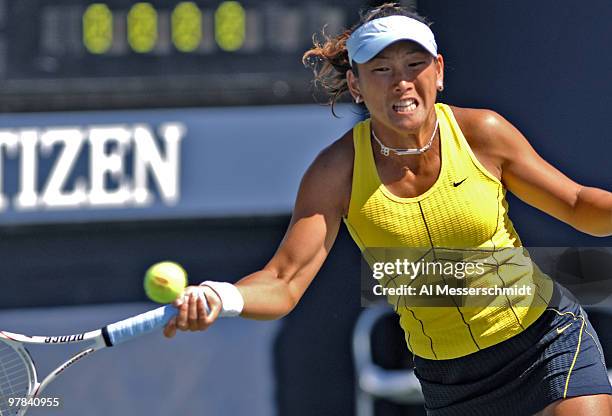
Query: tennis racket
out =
(19, 386)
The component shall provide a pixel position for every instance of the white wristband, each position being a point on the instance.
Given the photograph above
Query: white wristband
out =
(231, 299)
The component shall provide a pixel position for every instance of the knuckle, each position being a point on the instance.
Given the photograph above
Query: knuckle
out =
(209, 320)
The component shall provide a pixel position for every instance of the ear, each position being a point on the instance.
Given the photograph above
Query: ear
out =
(353, 84)
(440, 71)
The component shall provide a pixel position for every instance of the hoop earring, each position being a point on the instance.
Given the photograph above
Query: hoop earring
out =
(440, 87)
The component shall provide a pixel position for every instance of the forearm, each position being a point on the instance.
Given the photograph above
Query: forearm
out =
(266, 296)
(592, 211)
(261, 295)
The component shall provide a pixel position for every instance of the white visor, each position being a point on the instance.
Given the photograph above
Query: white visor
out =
(374, 36)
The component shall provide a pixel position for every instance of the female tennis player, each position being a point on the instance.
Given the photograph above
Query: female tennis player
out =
(418, 173)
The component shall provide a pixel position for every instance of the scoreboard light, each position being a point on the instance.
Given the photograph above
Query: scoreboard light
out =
(186, 26)
(142, 27)
(230, 25)
(97, 28)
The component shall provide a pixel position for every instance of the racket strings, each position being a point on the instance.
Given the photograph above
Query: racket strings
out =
(14, 378)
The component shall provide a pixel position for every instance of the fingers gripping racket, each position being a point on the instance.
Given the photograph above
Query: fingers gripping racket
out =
(18, 380)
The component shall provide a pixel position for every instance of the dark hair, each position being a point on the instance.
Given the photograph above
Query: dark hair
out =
(329, 59)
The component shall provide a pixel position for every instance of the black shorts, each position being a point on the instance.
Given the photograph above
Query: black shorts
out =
(558, 356)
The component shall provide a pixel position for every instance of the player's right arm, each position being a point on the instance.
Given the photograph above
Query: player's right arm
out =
(274, 291)
(321, 202)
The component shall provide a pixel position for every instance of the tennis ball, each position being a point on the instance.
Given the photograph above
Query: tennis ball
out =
(165, 281)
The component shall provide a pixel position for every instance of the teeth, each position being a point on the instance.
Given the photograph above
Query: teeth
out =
(406, 105)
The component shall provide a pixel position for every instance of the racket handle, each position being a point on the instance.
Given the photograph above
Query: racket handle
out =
(135, 326)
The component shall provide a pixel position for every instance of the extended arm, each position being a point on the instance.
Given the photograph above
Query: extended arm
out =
(275, 290)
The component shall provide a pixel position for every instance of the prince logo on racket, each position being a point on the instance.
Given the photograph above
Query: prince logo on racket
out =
(64, 339)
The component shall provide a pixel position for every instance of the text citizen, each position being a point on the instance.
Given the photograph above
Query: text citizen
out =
(120, 158)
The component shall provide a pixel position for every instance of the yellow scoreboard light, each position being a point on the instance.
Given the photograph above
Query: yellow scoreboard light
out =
(230, 25)
(142, 27)
(97, 28)
(186, 22)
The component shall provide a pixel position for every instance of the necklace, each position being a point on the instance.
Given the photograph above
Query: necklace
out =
(402, 152)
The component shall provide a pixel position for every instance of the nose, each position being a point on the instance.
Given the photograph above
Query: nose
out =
(404, 80)
(402, 85)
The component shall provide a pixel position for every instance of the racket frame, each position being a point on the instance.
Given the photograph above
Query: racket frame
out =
(110, 335)
(18, 342)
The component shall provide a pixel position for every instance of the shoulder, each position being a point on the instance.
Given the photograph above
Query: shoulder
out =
(488, 132)
(337, 157)
(479, 125)
(330, 174)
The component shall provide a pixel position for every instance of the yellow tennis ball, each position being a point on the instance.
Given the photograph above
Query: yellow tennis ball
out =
(165, 281)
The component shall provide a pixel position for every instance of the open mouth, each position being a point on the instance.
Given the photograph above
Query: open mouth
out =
(405, 106)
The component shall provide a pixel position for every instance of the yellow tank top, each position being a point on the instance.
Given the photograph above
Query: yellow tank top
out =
(464, 209)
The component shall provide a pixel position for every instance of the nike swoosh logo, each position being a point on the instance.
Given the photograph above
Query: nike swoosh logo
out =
(560, 330)
(456, 184)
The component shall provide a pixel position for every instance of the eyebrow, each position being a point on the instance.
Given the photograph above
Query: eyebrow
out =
(383, 56)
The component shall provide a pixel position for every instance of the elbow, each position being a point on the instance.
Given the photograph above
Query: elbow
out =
(591, 212)
(290, 299)
(286, 309)
(274, 300)
(600, 233)
(592, 227)
(278, 311)
(291, 292)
